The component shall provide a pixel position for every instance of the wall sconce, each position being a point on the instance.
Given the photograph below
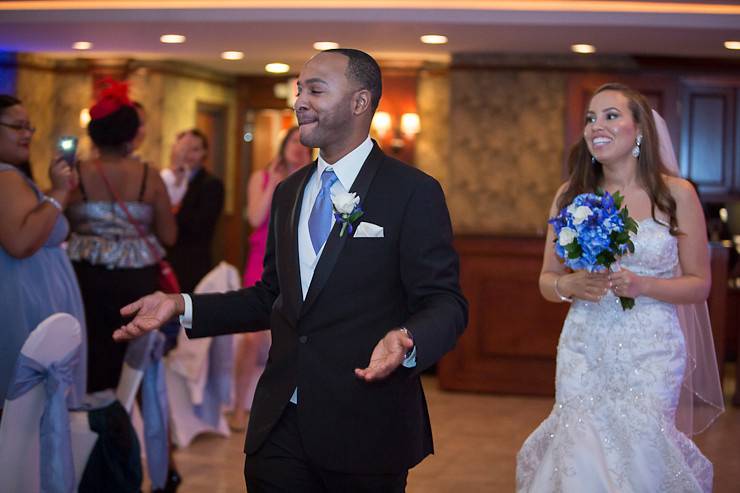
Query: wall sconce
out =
(381, 123)
(84, 117)
(410, 124)
(407, 129)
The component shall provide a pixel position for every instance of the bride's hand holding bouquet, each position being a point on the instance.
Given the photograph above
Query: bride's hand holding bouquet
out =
(591, 234)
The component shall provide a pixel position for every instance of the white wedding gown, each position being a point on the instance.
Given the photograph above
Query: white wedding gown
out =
(619, 375)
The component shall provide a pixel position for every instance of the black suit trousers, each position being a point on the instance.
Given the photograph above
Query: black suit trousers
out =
(281, 466)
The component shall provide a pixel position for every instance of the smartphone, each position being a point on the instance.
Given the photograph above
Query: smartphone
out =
(67, 146)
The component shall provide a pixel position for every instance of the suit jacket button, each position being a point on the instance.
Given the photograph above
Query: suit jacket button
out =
(303, 339)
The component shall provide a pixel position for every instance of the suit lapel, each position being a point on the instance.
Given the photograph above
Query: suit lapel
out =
(334, 243)
(293, 290)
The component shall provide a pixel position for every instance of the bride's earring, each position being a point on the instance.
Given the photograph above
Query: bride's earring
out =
(636, 149)
(593, 161)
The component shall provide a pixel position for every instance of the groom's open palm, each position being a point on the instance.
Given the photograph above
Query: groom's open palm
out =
(150, 313)
(388, 355)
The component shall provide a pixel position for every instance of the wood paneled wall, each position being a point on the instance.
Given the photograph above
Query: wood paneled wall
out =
(509, 345)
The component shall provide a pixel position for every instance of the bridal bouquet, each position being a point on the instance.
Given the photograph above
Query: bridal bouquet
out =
(593, 232)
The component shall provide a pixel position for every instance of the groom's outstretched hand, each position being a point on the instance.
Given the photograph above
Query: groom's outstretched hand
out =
(388, 355)
(150, 313)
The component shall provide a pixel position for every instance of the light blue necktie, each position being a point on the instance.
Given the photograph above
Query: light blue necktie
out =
(319, 222)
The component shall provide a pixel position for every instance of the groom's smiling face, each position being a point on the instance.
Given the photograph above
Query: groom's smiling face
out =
(324, 103)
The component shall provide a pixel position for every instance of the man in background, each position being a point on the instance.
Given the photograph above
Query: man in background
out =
(197, 198)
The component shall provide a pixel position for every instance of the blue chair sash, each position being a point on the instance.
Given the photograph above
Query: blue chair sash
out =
(56, 464)
(148, 356)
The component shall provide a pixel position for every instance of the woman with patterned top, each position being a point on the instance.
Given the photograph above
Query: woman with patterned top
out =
(113, 262)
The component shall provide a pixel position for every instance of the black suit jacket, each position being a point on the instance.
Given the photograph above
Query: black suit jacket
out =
(196, 224)
(361, 288)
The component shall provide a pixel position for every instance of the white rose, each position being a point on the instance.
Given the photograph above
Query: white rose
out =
(581, 214)
(566, 236)
(345, 203)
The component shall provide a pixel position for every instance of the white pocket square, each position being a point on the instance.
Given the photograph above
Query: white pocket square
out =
(368, 230)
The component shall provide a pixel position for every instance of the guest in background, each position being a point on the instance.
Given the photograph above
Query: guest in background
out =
(201, 201)
(112, 261)
(252, 347)
(36, 277)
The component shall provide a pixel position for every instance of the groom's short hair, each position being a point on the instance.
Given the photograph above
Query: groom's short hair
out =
(363, 69)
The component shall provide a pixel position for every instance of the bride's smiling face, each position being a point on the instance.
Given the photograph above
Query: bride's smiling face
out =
(610, 130)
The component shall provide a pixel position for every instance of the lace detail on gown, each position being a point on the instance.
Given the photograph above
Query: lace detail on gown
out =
(618, 379)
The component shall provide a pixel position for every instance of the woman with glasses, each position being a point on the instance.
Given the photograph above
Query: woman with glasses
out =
(36, 276)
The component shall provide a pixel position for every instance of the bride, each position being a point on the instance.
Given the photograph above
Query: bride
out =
(631, 386)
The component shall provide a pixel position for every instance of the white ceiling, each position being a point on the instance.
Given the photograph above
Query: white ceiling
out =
(390, 30)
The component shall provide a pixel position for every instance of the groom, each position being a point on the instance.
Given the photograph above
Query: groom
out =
(355, 314)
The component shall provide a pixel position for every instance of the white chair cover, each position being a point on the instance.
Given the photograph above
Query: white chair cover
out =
(20, 452)
(199, 371)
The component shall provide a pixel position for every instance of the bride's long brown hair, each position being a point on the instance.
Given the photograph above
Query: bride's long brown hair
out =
(587, 176)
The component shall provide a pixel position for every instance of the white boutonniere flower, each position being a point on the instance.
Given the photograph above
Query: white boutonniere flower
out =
(347, 210)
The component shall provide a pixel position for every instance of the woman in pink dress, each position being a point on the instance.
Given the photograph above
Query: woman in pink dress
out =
(252, 348)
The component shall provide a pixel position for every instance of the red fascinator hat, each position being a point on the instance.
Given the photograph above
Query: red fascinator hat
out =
(113, 96)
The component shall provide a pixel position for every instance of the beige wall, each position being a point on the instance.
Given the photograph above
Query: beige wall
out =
(433, 141)
(54, 99)
(504, 145)
(171, 101)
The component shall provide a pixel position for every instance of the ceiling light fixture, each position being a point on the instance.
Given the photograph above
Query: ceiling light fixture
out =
(172, 38)
(232, 55)
(434, 39)
(732, 45)
(583, 49)
(277, 68)
(325, 45)
(82, 45)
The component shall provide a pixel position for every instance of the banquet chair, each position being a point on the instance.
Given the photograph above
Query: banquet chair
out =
(142, 369)
(35, 450)
(199, 371)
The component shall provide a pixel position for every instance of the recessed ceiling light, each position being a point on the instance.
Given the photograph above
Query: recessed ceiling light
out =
(172, 38)
(82, 45)
(434, 39)
(232, 55)
(583, 48)
(732, 45)
(277, 68)
(325, 45)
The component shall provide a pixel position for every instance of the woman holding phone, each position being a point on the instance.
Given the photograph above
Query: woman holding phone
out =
(37, 277)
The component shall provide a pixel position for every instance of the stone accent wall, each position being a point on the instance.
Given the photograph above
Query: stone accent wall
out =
(500, 151)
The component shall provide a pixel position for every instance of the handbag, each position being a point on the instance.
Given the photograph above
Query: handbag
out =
(166, 277)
